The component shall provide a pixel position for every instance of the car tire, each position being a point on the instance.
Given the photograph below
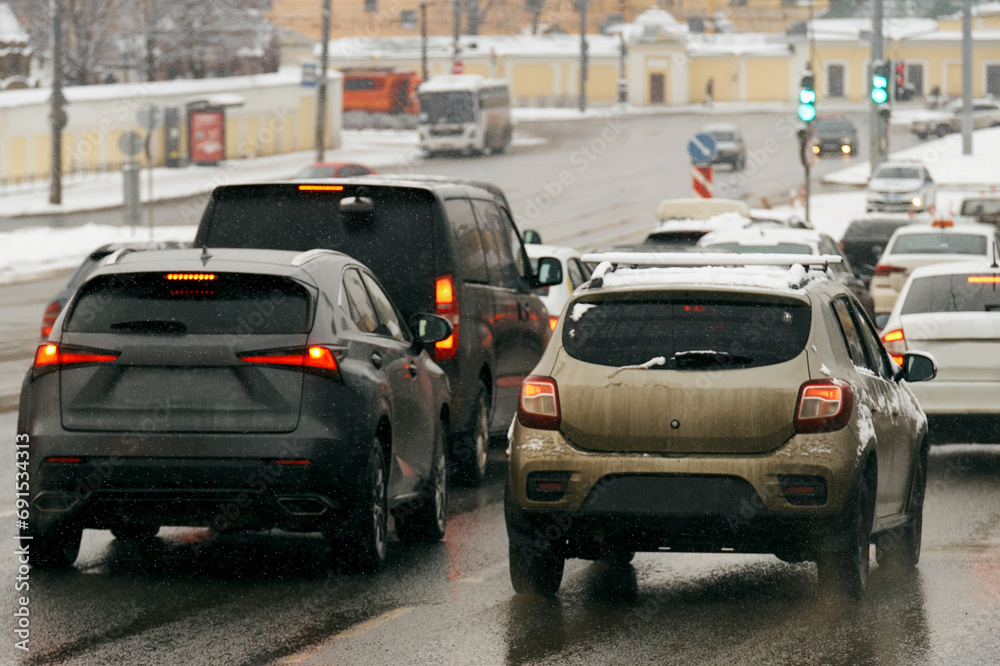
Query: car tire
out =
(535, 569)
(844, 564)
(942, 130)
(899, 550)
(426, 519)
(135, 532)
(619, 558)
(368, 525)
(471, 451)
(56, 550)
(922, 135)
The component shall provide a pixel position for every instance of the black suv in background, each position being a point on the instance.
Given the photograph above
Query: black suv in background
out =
(442, 247)
(834, 134)
(866, 238)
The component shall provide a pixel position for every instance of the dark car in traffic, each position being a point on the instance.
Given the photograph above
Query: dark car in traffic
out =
(834, 134)
(444, 247)
(238, 390)
(866, 238)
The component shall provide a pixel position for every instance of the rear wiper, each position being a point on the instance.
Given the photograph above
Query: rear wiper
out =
(151, 326)
(692, 359)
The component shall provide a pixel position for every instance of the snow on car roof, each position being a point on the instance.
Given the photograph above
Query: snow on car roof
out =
(722, 221)
(760, 235)
(972, 229)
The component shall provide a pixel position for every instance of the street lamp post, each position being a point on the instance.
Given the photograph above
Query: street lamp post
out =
(57, 113)
(321, 87)
(423, 39)
(581, 6)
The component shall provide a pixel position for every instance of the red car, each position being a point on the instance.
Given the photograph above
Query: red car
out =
(334, 170)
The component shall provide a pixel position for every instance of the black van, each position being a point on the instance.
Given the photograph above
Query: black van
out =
(441, 247)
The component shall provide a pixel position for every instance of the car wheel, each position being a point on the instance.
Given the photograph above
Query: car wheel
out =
(426, 518)
(619, 558)
(135, 532)
(472, 449)
(900, 548)
(942, 130)
(534, 569)
(56, 550)
(921, 135)
(844, 563)
(368, 525)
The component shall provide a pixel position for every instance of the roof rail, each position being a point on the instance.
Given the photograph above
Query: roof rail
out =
(610, 261)
(309, 255)
(113, 258)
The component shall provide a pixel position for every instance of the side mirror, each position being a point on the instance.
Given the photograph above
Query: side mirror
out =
(881, 319)
(919, 367)
(532, 237)
(429, 329)
(549, 271)
(865, 272)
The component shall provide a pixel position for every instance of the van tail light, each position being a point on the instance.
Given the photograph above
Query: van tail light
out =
(824, 405)
(50, 356)
(315, 360)
(538, 405)
(885, 270)
(553, 320)
(52, 311)
(895, 344)
(446, 305)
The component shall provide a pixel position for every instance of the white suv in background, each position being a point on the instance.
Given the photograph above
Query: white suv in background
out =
(901, 186)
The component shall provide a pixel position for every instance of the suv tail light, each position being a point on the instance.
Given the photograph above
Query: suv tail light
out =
(538, 406)
(824, 405)
(895, 344)
(553, 320)
(446, 305)
(316, 360)
(51, 357)
(52, 311)
(885, 270)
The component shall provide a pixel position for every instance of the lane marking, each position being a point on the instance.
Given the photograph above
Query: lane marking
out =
(348, 633)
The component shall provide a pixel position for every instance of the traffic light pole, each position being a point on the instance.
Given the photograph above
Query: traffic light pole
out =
(877, 122)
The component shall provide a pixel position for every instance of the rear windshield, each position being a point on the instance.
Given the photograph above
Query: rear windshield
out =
(395, 239)
(953, 293)
(981, 207)
(938, 243)
(674, 237)
(723, 136)
(834, 126)
(870, 229)
(777, 248)
(695, 334)
(162, 303)
(908, 173)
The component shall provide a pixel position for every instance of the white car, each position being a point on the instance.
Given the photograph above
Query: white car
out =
(574, 271)
(918, 245)
(952, 311)
(901, 186)
(985, 113)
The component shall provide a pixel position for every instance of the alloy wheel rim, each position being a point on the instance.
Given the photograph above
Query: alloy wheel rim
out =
(378, 511)
(440, 490)
(482, 427)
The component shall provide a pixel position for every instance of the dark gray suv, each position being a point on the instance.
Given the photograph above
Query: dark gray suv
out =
(235, 389)
(445, 247)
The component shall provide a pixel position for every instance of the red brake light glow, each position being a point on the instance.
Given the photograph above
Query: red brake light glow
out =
(191, 277)
(50, 357)
(895, 344)
(293, 462)
(446, 305)
(321, 188)
(885, 270)
(538, 406)
(824, 405)
(553, 322)
(63, 460)
(318, 359)
(984, 279)
(52, 311)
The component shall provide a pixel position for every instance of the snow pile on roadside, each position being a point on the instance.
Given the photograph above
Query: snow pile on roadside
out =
(944, 159)
(34, 251)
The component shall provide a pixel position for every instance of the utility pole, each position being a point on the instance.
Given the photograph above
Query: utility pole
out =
(456, 6)
(877, 122)
(967, 77)
(622, 81)
(581, 6)
(423, 39)
(321, 88)
(57, 112)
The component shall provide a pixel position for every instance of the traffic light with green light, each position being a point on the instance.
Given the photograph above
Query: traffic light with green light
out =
(807, 97)
(880, 81)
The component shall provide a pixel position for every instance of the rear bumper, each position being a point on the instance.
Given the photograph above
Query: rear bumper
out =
(884, 298)
(963, 428)
(960, 411)
(705, 502)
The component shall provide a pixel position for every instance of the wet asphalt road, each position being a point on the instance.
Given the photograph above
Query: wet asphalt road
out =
(277, 598)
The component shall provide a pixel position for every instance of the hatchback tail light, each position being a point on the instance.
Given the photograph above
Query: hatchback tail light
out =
(824, 405)
(538, 406)
(553, 320)
(50, 356)
(316, 360)
(446, 305)
(52, 311)
(885, 270)
(895, 344)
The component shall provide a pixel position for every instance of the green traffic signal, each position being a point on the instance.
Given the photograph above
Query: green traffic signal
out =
(807, 112)
(880, 95)
(880, 81)
(807, 97)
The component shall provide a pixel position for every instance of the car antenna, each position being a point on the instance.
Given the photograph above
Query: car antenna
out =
(205, 256)
(994, 264)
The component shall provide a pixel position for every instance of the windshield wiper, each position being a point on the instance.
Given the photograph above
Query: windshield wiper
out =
(151, 326)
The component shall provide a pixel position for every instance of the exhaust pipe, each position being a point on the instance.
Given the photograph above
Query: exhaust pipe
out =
(304, 506)
(56, 502)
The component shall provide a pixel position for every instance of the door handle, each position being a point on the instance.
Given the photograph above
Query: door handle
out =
(377, 360)
(520, 311)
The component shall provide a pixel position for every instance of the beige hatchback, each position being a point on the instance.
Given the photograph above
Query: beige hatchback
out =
(716, 409)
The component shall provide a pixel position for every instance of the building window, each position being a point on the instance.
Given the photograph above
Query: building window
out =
(371, 5)
(737, 3)
(408, 18)
(533, 5)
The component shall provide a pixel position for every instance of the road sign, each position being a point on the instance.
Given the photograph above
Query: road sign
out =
(701, 181)
(150, 117)
(809, 156)
(130, 143)
(309, 75)
(702, 148)
(458, 67)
